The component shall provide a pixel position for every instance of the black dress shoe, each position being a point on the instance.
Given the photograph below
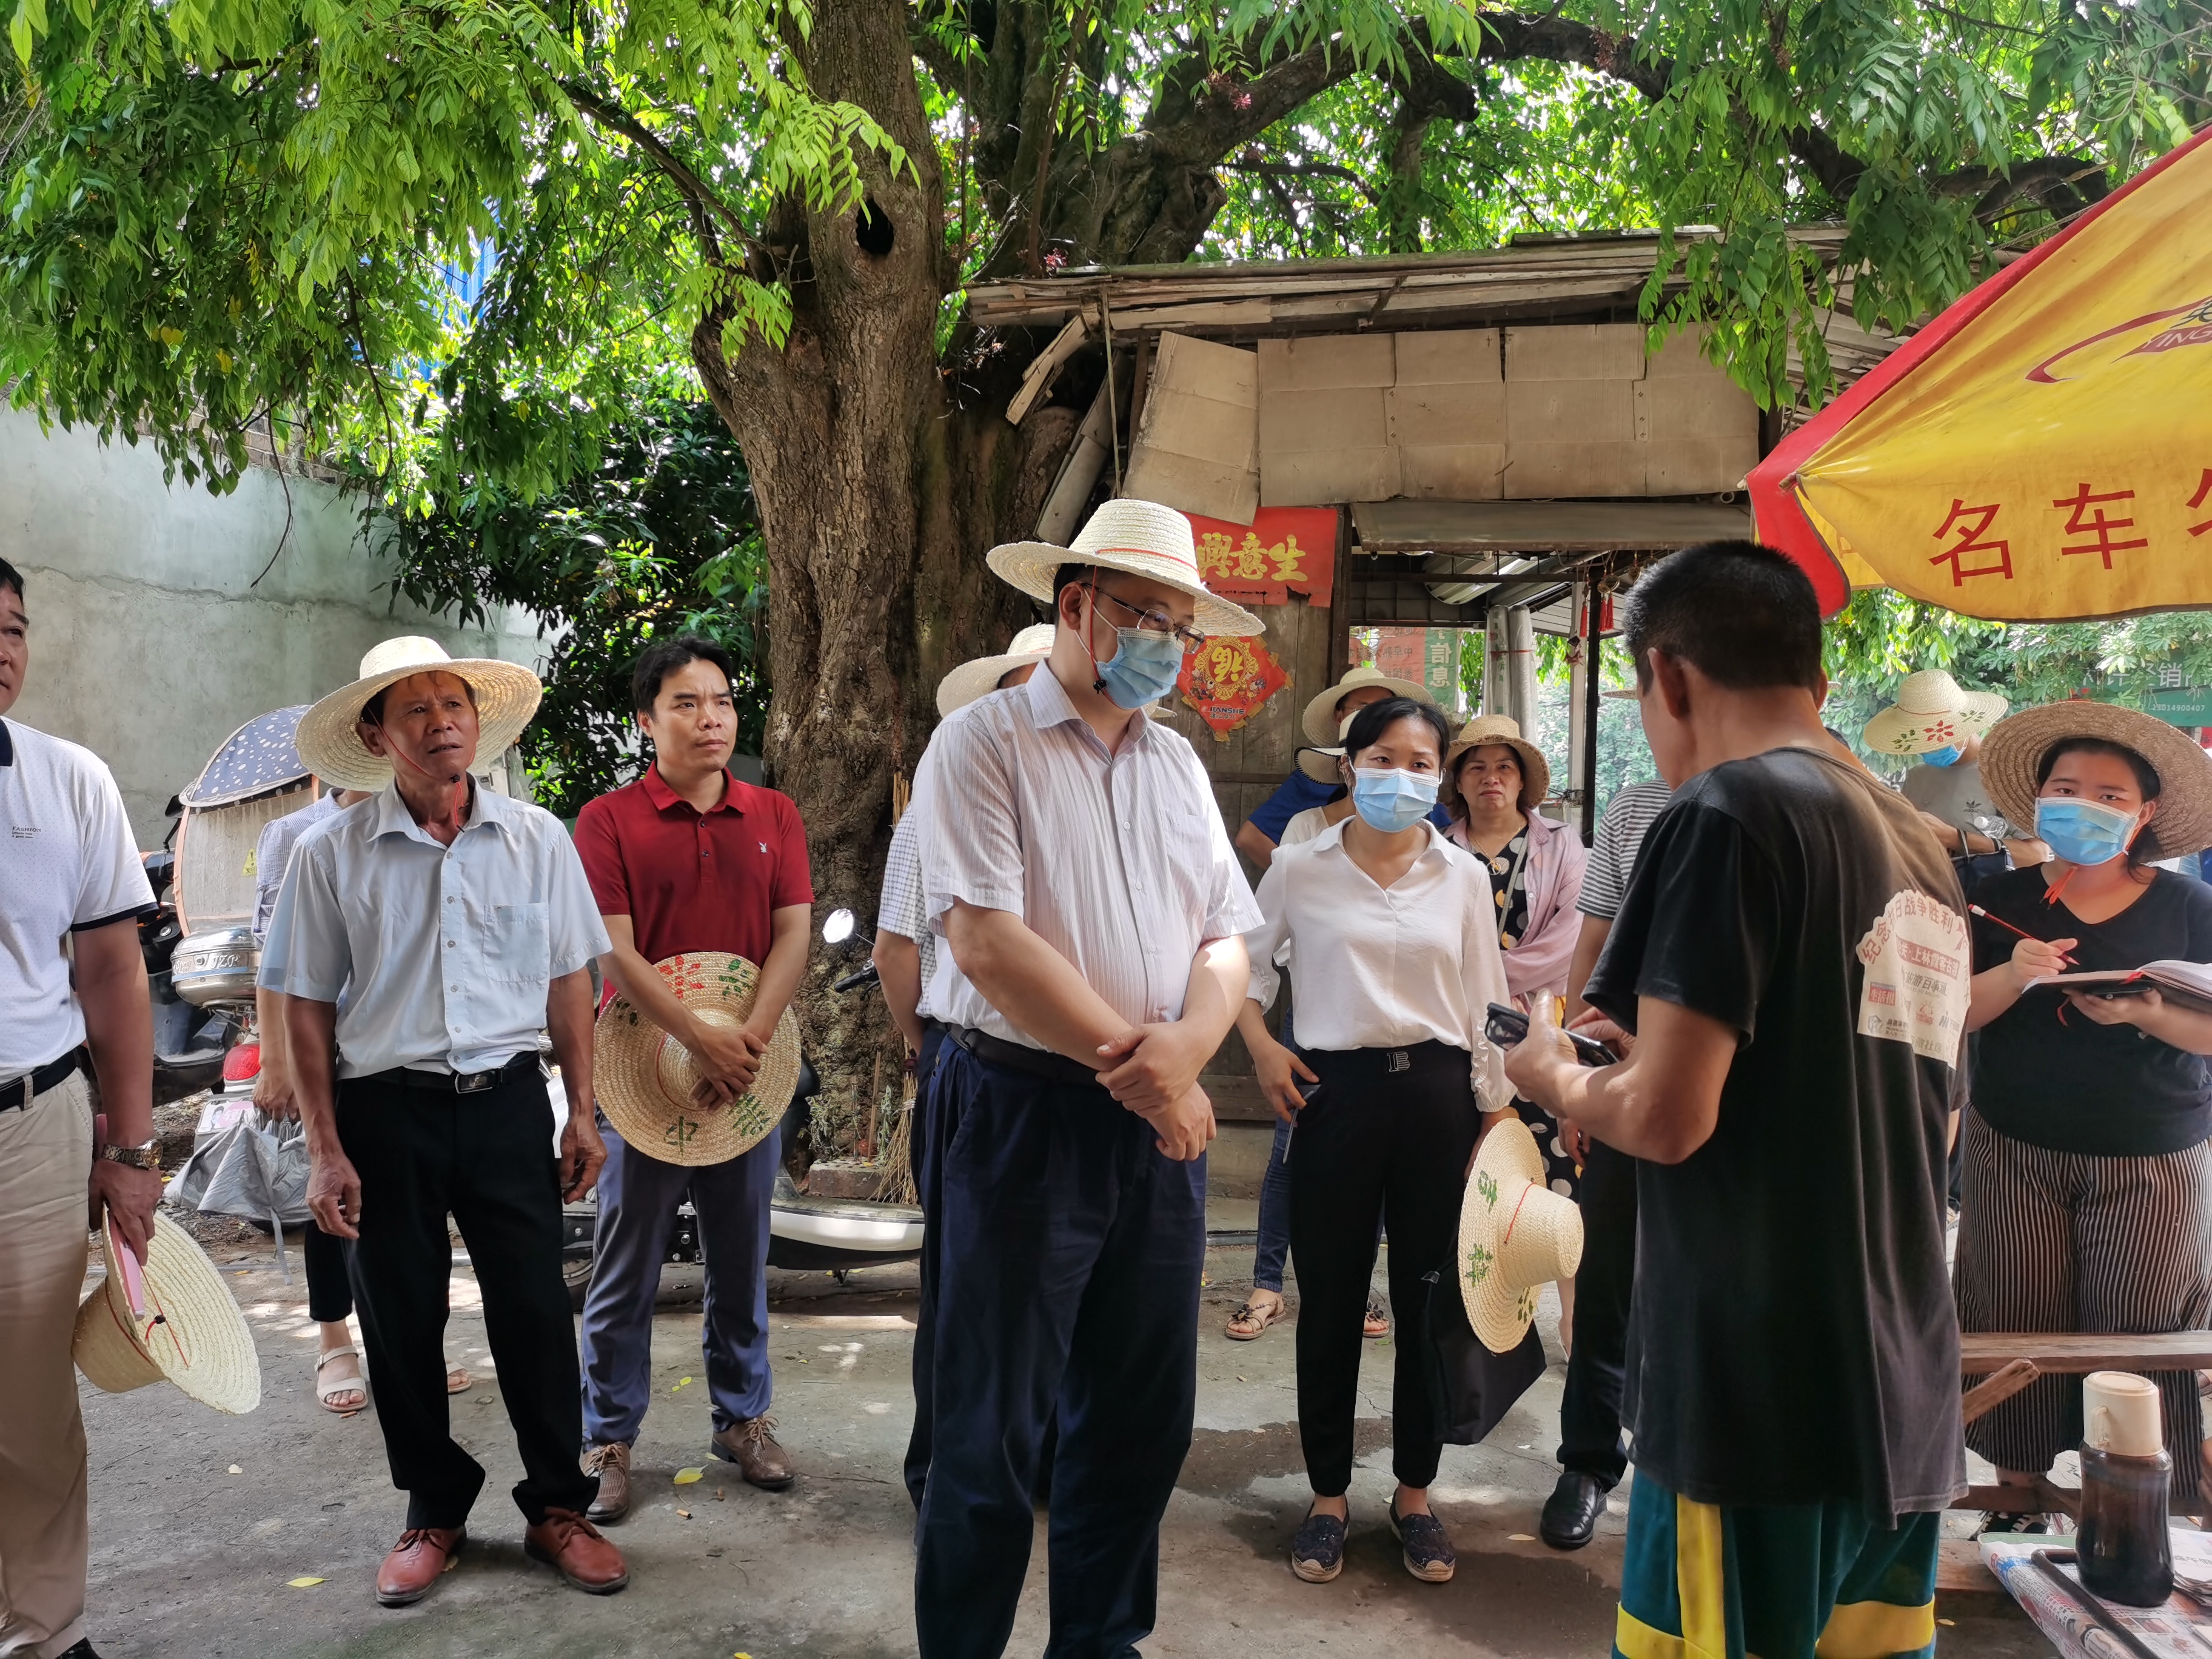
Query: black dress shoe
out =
(80, 1649)
(1570, 1517)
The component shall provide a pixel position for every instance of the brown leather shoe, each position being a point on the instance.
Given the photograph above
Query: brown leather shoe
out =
(752, 1447)
(417, 1560)
(574, 1547)
(611, 1462)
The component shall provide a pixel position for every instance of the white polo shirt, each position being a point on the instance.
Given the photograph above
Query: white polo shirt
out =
(69, 863)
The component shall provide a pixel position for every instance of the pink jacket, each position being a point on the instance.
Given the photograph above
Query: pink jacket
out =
(1557, 858)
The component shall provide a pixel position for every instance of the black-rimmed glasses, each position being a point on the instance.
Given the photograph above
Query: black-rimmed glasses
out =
(1157, 622)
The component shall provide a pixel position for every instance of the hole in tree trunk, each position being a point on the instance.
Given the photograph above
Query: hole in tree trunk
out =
(872, 230)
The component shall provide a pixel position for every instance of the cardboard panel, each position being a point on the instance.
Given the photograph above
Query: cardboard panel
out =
(1699, 407)
(1576, 352)
(1442, 413)
(1458, 356)
(1698, 466)
(1354, 416)
(1533, 470)
(1196, 445)
(1453, 472)
(1319, 361)
(1324, 477)
(1683, 357)
(1570, 411)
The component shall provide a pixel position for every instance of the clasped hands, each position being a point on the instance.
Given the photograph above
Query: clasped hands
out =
(729, 1059)
(1153, 1070)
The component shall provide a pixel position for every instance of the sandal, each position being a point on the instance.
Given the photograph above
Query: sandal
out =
(1249, 1321)
(457, 1379)
(328, 1394)
(1378, 1321)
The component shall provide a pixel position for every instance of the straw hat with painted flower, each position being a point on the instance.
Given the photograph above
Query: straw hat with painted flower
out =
(170, 1321)
(1932, 711)
(1516, 1234)
(2013, 753)
(1483, 731)
(330, 743)
(1324, 728)
(1142, 538)
(981, 677)
(646, 1079)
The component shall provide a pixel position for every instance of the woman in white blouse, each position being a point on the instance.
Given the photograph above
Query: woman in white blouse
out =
(1390, 931)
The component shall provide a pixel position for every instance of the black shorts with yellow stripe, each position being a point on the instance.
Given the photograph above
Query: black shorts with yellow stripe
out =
(1788, 1581)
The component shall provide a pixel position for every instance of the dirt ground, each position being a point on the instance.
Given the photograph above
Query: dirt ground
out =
(201, 1522)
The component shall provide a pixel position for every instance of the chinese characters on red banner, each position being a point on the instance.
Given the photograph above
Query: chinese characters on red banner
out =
(1284, 550)
(2090, 527)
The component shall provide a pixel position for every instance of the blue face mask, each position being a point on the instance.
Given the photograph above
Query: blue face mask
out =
(1143, 668)
(1391, 801)
(1942, 757)
(2082, 832)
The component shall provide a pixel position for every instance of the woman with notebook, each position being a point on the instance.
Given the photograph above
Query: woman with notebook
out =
(2087, 1201)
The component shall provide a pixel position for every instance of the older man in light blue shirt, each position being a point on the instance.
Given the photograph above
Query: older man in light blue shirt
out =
(423, 939)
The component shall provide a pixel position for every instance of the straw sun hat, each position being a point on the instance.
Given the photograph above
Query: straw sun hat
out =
(981, 677)
(1515, 1234)
(1142, 538)
(1932, 711)
(507, 697)
(2016, 745)
(644, 1076)
(185, 1330)
(1324, 732)
(1485, 729)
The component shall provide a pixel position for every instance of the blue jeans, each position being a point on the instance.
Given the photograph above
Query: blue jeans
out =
(638, 1196)
(1070, 1253)
(1275, 1242)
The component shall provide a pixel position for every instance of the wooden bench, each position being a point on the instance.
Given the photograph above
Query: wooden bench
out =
(2008, 1361)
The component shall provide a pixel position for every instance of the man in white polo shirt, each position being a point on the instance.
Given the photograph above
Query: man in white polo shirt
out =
(72, 979)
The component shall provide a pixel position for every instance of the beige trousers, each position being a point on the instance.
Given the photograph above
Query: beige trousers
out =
(46, 1155)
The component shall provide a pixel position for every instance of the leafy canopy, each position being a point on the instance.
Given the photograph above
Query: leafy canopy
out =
(225, 211)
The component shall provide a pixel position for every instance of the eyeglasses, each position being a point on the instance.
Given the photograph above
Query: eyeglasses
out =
(1157, 622)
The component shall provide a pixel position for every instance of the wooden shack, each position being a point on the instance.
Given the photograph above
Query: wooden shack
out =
(1438, 443)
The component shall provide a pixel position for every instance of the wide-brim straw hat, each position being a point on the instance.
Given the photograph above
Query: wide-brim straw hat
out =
(981, 677)
(2016, 745)
(1932, 711)
(188, 1330)
(1485, 729)
(507, 695)
(644, 1076)
(1516, 1234)
(1142, 538)
(1320, 764)
(1320, 722)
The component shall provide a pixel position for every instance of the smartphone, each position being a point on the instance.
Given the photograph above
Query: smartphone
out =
(1507, 1026)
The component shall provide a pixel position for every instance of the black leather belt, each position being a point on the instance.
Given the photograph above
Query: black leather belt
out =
(17, 1093)
(460, 1082)
(1037, 1062)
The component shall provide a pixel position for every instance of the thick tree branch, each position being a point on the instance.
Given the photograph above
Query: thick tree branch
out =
(706, 206)
(1307, 170)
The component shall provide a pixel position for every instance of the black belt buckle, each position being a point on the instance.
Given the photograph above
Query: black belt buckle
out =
(475, 1083)
(1399, 1060)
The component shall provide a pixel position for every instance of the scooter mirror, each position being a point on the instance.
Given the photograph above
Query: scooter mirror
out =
(837, 927)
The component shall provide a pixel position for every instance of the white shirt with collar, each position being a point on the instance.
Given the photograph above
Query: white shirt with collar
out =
(1116, 858)
(71, 865)
(436, 956)
(904, 907)
(1384, 967)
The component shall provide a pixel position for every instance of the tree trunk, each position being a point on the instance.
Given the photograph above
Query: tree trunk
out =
(877, 498)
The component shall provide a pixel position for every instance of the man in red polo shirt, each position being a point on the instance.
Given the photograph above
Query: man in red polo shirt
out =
(689, 859)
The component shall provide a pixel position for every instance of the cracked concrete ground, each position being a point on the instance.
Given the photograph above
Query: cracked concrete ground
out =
(191, 1558)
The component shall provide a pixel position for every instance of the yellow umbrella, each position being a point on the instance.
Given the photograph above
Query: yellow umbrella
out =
(2042, 449)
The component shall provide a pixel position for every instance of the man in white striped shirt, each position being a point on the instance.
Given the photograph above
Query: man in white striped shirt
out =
(1077, 868)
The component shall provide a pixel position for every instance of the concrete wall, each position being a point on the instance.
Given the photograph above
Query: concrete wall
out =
(150, 643)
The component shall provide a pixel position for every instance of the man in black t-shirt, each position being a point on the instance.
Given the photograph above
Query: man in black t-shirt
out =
(1792, 955)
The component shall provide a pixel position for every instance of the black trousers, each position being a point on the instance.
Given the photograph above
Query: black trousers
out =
(1375, 1142)
(1597, 1369)
(488, 1159)
(923, 1138)
(1070, 1255)
(329, 1279)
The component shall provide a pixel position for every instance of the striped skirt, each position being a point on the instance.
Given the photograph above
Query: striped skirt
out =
(2051, 1241)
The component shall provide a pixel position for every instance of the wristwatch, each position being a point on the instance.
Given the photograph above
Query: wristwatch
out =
(148, 1156)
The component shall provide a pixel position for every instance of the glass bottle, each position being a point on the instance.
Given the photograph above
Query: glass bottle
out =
(2124, 1553)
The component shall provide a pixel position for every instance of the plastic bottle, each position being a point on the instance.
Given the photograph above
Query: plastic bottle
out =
(2123, 1549)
